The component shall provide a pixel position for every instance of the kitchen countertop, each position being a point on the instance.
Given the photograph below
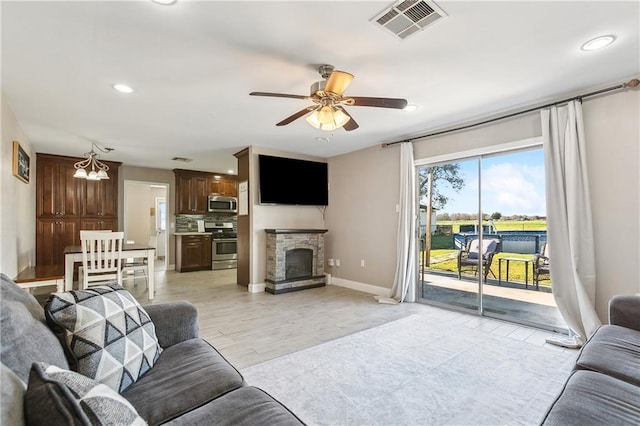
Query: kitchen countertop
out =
(192, 233)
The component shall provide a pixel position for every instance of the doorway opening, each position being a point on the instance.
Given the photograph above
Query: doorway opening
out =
(146, 218)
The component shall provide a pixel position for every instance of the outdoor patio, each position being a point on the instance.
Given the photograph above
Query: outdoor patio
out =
(507, 300)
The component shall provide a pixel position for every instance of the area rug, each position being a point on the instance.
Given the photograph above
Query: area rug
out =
(418, 370)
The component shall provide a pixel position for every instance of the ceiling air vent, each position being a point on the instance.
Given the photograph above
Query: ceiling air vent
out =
(183, 159)
(407, 17)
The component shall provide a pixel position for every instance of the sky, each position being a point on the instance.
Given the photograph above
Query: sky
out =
(512, 184)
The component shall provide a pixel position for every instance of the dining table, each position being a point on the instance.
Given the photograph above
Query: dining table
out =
(73, 254)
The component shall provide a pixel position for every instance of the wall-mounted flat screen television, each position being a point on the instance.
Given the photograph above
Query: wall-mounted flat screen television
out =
(292, 182)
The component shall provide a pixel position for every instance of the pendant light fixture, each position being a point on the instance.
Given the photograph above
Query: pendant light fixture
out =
(91, 168)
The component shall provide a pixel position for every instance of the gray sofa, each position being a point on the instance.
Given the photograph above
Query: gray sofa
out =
(191, 383)
(604, 387)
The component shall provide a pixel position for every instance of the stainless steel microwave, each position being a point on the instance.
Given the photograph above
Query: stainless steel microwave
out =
(220, 203)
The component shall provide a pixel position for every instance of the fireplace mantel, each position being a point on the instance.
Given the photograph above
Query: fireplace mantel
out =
(296, 231)
(282, 273)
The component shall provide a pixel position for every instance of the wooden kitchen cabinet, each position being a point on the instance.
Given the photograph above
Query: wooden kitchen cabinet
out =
(52, 236)
(223, 185)
(99, 224)
(58, 191)
(65, 205)
(101, 197)
(192, 190)
(193, 252)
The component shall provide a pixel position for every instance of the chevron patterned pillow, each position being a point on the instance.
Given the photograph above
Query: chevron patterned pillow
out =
(107, 334)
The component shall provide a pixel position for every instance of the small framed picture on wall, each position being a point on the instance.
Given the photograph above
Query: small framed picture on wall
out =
(20, 163)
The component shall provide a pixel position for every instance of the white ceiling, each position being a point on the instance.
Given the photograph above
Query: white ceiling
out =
(193, 64)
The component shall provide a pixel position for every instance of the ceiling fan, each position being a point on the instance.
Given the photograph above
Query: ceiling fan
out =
(327, 95)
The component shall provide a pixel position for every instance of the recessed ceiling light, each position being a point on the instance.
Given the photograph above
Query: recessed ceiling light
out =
(410, 108)
(230, 171)
(122, 88)
(164, 2)
(598, 42)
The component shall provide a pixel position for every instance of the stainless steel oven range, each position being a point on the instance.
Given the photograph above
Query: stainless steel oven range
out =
(224, 240)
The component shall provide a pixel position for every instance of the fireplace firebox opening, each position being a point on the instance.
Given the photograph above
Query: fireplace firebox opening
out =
(298, 263)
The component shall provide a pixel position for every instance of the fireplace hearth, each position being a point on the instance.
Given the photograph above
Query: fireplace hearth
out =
(295, 259)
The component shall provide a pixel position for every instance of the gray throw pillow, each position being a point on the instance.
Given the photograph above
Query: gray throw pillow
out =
(12, 397)
(106, 332)
(56, 396)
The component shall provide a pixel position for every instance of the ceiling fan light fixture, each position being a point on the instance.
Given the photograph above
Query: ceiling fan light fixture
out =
(325, 115)
(327, 118)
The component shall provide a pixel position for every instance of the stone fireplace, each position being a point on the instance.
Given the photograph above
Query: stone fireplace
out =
(295, 259)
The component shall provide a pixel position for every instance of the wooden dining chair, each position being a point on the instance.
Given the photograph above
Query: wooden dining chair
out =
(101, 257)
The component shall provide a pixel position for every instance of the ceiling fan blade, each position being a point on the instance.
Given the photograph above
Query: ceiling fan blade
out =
(351, 124)
(278, 95)
(338, 82)
(296, 116)
(379, 102)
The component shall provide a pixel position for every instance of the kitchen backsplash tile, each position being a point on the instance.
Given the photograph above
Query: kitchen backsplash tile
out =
(189, 222)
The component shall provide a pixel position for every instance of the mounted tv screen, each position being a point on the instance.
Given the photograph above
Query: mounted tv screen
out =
(293, 182)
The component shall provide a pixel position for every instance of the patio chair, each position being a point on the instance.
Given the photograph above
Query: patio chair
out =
(541, 264)
(469, 258)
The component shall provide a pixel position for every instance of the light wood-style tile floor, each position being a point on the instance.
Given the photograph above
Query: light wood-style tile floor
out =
(252, 328)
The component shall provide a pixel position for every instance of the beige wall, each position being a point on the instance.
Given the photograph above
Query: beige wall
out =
(274, 217)
(361, 217)
(364, 186)
(612, 130)
(150, 175)
(18, 201)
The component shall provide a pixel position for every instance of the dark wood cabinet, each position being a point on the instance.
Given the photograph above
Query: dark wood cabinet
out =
(101, 197)
(223, 185)
(99, 224)
(192, 190)
(65, 205)
(52, 236)
(193, 252)
(58, 191)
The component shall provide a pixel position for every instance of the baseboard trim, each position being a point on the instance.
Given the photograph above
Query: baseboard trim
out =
(367, 288)
(256, 288)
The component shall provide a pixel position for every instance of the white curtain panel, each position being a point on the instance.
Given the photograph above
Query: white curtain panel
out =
(404, 283)
(569, 223)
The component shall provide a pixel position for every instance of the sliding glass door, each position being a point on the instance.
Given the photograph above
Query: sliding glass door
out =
(449, 196)
(483, 237)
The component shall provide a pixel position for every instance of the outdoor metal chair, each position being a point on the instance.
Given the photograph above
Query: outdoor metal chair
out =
(469, 257)
(541, 264)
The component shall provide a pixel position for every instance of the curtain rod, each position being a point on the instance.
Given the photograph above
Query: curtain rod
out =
(629, 84)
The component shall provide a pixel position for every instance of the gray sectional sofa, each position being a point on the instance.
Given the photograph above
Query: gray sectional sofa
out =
(190, 383)
(604, 387)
